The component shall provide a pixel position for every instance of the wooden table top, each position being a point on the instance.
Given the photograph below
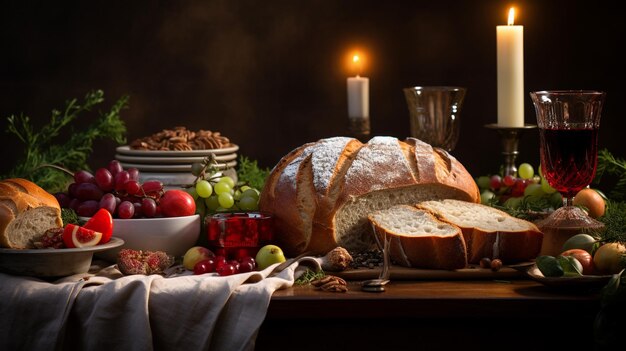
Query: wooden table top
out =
(434, 314)
(431, 299)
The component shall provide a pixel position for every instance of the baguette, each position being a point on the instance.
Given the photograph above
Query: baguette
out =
(26, 212)
(321, 193)
(418, 239)
(489, 232)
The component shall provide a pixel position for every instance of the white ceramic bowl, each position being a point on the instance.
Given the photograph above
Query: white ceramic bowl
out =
(174, 235)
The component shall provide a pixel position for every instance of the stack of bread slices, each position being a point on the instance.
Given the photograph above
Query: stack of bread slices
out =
(449, 234)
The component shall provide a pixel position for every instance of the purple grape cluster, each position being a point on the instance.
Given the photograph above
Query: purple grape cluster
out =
(115, 189)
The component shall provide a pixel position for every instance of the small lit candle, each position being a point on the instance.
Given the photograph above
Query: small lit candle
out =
(358, 94)
(510, 48)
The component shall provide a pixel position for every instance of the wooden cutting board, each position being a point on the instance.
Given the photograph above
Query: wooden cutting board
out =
(405, 273)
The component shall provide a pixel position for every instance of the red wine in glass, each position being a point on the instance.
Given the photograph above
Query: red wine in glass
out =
(569, 158)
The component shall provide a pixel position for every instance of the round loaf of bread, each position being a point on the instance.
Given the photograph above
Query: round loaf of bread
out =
(321, 193)
(26, 212)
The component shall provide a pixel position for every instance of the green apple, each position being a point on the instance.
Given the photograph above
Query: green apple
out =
(269, 255)
(195, 255)
(580, 241)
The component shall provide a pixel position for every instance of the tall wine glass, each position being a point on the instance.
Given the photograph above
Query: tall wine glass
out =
(568, 122)
(434, 113)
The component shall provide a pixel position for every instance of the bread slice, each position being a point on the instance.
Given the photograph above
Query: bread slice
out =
(26, 212)
(489, 232)
(418, 239)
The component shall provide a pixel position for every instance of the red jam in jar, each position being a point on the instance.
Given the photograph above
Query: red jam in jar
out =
(236, 235)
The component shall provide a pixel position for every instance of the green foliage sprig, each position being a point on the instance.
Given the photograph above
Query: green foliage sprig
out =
(614, 221)
(308, 276)
(608, 164)
(42, 147)
(248, 171)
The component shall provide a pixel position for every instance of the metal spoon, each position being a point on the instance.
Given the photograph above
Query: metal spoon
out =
(378, 285)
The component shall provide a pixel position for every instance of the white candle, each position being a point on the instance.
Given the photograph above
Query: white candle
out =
(510, 48)
(358, 94)
(358, 97)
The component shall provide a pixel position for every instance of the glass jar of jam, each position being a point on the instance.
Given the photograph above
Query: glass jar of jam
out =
(236, 235)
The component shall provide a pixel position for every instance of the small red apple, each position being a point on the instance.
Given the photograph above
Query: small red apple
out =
(177, 203)
(585, 259)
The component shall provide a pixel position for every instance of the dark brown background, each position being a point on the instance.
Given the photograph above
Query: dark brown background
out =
(270, 74)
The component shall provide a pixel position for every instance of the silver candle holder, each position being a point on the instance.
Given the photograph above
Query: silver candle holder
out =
(510, 137)
(359, 128)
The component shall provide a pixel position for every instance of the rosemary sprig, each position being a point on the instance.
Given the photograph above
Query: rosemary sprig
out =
(308, 276)
(42, 147)
(610, 165)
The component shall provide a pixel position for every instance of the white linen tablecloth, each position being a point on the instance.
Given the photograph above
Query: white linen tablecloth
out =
(108, 311)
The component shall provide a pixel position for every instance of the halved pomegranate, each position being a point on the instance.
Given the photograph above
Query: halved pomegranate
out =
(76, 236)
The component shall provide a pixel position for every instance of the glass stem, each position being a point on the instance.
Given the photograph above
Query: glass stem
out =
(568, 201)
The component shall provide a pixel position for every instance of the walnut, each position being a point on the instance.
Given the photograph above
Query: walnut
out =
(331, 283)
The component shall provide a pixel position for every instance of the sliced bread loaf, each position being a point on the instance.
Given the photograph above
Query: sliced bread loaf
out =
(418, 239)
(489, 232)
(26, 212)
(321, 193)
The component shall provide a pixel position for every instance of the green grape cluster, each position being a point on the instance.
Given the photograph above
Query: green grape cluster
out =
(214, 192)
(524, 190)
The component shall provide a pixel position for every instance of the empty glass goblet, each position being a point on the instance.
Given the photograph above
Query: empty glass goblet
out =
(434, 114)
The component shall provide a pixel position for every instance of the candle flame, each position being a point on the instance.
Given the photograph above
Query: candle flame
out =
(357, 64)
(511, 16)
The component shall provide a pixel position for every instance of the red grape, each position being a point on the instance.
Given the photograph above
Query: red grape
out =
(133, 173)
(225, 269)
(133, 187)
(219, 260)
(138, 212)
(88, 191)
(126, 210)
(204, 266)
(495, 182)
(88, 208)
(519, 187)
(235, 264)
(71, 189)
(246, 266)
(148, 207)
(508, 180)
(74, 203)
(63, 199)
(152, 187)
(115, 167)
(120, 180)
(84, 177)
(108, 202)
(104, 179)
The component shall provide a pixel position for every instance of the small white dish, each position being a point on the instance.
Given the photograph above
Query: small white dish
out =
(126, 150)
(171, 168)
(171, 160)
